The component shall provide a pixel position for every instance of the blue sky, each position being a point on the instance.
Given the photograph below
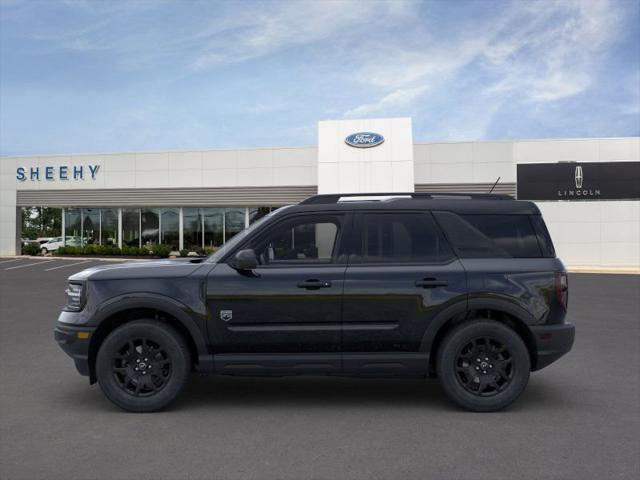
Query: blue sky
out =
(90, 76)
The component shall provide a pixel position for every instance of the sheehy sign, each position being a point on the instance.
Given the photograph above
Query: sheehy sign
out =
(60, 172)
(579, 181)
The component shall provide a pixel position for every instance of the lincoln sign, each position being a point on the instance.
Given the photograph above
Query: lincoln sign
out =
(579, 181)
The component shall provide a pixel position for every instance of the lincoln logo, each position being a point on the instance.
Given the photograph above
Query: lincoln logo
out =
(579, 177)
(364, 139)
(579, 192)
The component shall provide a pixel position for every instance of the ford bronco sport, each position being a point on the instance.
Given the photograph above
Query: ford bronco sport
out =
(463, 287)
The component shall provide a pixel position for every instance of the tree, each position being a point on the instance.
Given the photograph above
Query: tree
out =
(41, 222)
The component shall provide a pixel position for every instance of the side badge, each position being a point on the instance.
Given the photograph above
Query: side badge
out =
(226, 315)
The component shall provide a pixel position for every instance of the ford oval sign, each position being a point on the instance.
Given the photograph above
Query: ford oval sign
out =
(364, 139)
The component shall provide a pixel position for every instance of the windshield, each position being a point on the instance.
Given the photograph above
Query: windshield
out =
(239, 237)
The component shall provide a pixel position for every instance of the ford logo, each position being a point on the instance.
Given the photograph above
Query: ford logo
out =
(364, 139)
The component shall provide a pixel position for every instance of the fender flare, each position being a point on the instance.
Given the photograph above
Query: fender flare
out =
(455, 309)
(500, 303)
(153, 301)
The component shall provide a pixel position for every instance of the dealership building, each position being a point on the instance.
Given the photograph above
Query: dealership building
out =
(588, 189)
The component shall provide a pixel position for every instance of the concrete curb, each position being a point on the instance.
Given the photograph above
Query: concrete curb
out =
(614, 270)
(97, 259)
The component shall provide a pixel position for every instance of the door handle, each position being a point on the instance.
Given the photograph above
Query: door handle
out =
(431, 283)
(314, 284)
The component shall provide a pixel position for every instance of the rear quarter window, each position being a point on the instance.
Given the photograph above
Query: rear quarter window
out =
(491, 235)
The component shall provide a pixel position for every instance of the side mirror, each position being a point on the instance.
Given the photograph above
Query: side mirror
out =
(245, 260)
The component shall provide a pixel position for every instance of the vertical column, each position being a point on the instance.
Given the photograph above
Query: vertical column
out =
(246, 217)
(180, 231)
(140, 228)
(224, 226)
(119, 227)
(18, 238)
(10, 213)
(82, 227)
(64, 227)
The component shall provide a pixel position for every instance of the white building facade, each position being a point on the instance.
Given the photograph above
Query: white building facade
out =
(200, 198)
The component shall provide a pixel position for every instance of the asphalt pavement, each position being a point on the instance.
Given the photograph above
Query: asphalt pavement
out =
(578, 418)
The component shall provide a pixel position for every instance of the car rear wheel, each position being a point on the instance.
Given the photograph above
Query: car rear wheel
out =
(483, 365)
(143, 365)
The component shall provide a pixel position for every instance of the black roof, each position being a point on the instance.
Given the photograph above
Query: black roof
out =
(454, 202)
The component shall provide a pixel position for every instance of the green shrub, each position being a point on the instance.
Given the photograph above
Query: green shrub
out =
(112, 250)
(184, 252)
(31, 249)
(161, 251)
(69, 251)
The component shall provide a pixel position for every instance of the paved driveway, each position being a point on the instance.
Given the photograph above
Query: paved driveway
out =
(579, 418)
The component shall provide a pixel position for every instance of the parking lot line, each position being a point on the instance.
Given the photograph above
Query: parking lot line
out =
(9, 261)
(65, 266)
(30, 264)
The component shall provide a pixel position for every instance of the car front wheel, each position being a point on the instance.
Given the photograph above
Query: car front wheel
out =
(143, 365)
(44, 251)
(483, 365)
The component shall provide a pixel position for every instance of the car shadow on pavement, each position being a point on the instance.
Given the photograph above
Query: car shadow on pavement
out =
(204, 392)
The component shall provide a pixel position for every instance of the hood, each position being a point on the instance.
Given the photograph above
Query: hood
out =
(143, 269)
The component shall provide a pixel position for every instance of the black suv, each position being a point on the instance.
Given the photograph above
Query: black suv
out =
(463, 287)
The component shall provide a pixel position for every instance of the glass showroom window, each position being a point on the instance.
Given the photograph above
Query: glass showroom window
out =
(90, 226)
(72, 226)
(131, 227)
(256, 213)
(192, 228)
(213, 219)
(170, 227)
(109, 227)
(150, 221)
(234, 222)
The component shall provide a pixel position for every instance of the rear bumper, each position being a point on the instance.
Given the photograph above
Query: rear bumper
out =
(552, 342)
(74, 341)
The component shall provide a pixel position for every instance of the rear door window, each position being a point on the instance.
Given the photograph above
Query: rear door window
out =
(544, 239)
(398, 237)
(489, 235)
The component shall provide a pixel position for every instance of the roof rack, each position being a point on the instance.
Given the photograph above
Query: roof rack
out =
(364, 197)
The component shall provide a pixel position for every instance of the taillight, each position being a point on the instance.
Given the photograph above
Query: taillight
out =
(562, 288)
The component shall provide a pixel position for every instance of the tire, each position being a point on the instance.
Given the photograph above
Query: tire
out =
(44, 251)
(126, 361)
(483, 365)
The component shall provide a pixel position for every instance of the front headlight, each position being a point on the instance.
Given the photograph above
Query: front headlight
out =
(74, 297)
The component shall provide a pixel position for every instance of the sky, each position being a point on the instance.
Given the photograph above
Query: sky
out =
(89, 76)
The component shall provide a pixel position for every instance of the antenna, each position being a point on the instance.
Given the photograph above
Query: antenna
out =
(494, 185)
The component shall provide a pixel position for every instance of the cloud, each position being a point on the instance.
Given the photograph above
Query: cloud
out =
(537, 51)
(398, 98)
(287, 25)
(552, 57)
(144, 74)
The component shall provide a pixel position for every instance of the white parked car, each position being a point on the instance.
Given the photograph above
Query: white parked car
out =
(52, 245)
(56, 242)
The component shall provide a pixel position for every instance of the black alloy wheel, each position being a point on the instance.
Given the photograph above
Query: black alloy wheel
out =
(143, 365)
(483, 365)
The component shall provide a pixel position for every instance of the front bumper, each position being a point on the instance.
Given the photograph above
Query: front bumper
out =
(74, 340)
(552, 342)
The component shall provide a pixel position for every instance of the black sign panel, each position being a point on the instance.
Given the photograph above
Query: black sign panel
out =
(579, 181)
